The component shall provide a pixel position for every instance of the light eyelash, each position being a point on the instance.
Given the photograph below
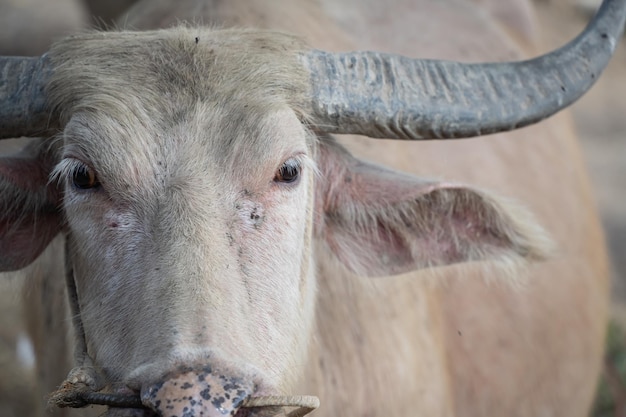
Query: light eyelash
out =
(306, 162)
(64, 169)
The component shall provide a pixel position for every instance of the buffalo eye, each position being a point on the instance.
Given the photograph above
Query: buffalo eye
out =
(289, 172)
(84, 178)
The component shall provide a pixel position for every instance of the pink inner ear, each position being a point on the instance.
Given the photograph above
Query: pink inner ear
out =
(381, 222)
(25, 174)
(21, 245)
(30, 216)
(377, 251)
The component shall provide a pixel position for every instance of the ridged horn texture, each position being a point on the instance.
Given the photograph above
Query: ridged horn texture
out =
(22, 100)
(391, 96)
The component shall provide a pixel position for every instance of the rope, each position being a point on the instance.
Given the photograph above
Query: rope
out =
(304, 403)
(78, 396)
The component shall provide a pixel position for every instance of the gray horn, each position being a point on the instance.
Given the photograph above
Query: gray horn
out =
(391, 96)
(23, 105)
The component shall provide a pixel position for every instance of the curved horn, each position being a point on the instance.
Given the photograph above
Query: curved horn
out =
(391, 96)
(23, 103)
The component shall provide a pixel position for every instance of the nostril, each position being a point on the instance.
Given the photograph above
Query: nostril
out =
(197, 393)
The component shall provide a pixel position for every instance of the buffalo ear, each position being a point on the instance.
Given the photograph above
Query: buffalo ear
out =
(381, 222)
(29, 206)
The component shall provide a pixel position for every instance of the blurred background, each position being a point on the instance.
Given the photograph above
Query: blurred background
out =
(28, 26)
(600, 118)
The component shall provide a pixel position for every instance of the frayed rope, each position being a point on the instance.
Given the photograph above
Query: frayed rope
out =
(79, 395)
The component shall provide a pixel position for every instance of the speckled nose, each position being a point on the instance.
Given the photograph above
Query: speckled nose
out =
(197, 393)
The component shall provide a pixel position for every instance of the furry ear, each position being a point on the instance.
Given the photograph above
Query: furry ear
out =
(380, 222)
(29, 214)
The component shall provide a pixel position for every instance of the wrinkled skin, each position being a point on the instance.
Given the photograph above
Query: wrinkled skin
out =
(388, 346)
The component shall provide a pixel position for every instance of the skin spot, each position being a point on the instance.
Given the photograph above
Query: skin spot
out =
(217, 402)
(241, 395)
(256, 217)
(231, 386)
(205, 393)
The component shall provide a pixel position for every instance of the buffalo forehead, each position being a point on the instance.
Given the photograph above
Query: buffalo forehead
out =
(180, 64)
(161, 97)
